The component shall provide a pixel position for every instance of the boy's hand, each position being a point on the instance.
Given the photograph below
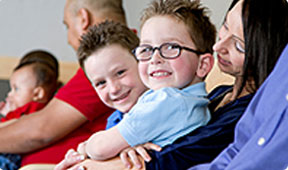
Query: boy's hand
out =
(81, 149)
(71, 158)
(134, 152)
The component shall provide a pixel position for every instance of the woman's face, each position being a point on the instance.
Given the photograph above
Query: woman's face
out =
(230, 47)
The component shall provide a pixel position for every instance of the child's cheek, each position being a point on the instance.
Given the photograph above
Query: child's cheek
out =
(143, 70)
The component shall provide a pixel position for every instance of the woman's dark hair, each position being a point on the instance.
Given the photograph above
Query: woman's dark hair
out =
(234, 2)
(266, 35)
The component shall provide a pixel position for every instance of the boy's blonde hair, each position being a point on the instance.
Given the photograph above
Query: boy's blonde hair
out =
(104, 34)
(112, 9)
(201, 30)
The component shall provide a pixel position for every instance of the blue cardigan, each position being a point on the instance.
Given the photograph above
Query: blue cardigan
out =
(261, 138)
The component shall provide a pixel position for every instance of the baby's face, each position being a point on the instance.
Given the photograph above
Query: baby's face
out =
(113, 73)
(158, 72)
(22, 84)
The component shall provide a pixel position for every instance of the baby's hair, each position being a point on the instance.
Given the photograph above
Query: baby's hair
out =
(45, 68)
(106, 33)
(192, 14)
(112, 9)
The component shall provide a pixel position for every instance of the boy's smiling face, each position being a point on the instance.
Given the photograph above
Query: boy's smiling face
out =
(113, 73)
(159, 72)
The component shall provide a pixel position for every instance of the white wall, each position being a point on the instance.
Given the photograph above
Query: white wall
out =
(34, 24)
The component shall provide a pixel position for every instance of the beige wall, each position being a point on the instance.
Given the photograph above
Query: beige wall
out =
(27, 25)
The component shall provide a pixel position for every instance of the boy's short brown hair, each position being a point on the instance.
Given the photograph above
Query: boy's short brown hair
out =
(106, 33)
(201, 30)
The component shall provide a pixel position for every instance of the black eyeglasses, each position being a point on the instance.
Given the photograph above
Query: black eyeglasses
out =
(167, 51)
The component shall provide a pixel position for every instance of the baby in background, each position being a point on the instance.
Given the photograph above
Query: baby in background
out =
(33, 83)
(175, 55)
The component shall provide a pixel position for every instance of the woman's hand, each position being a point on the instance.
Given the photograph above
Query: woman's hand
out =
(133, 154)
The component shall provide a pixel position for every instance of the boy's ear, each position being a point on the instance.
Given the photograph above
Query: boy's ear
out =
(206, 62)
(38, 94)
(84, 17)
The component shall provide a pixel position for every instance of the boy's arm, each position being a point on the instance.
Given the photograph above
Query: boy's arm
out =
(105, 144)
(40, 129)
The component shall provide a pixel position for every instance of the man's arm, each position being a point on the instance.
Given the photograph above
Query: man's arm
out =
(6, 123)
(40, 129)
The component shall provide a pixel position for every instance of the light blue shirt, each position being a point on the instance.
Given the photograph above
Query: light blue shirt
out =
(261, 135)
(164, 115)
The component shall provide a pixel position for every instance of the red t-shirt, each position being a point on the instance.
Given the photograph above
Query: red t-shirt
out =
(28, 108)
(79, 93)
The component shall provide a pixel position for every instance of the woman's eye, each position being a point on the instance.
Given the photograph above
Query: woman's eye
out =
(239, 47)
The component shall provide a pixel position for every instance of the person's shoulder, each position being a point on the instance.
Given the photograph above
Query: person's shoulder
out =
(220, 90)
(163, 93)
(172, 92)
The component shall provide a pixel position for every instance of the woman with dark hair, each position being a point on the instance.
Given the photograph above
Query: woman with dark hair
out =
(260, 134)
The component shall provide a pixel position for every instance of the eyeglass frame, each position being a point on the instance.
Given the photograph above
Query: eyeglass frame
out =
(180, 48)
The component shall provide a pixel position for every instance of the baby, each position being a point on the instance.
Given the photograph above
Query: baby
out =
(33, 83)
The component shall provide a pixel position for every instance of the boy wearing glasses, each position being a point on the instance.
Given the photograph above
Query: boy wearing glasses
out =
(175, 55)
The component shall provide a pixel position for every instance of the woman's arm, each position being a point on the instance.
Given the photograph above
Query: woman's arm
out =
(111, 164)
(75, 161)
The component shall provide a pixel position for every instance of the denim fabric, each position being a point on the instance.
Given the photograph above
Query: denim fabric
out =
(10, 161)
